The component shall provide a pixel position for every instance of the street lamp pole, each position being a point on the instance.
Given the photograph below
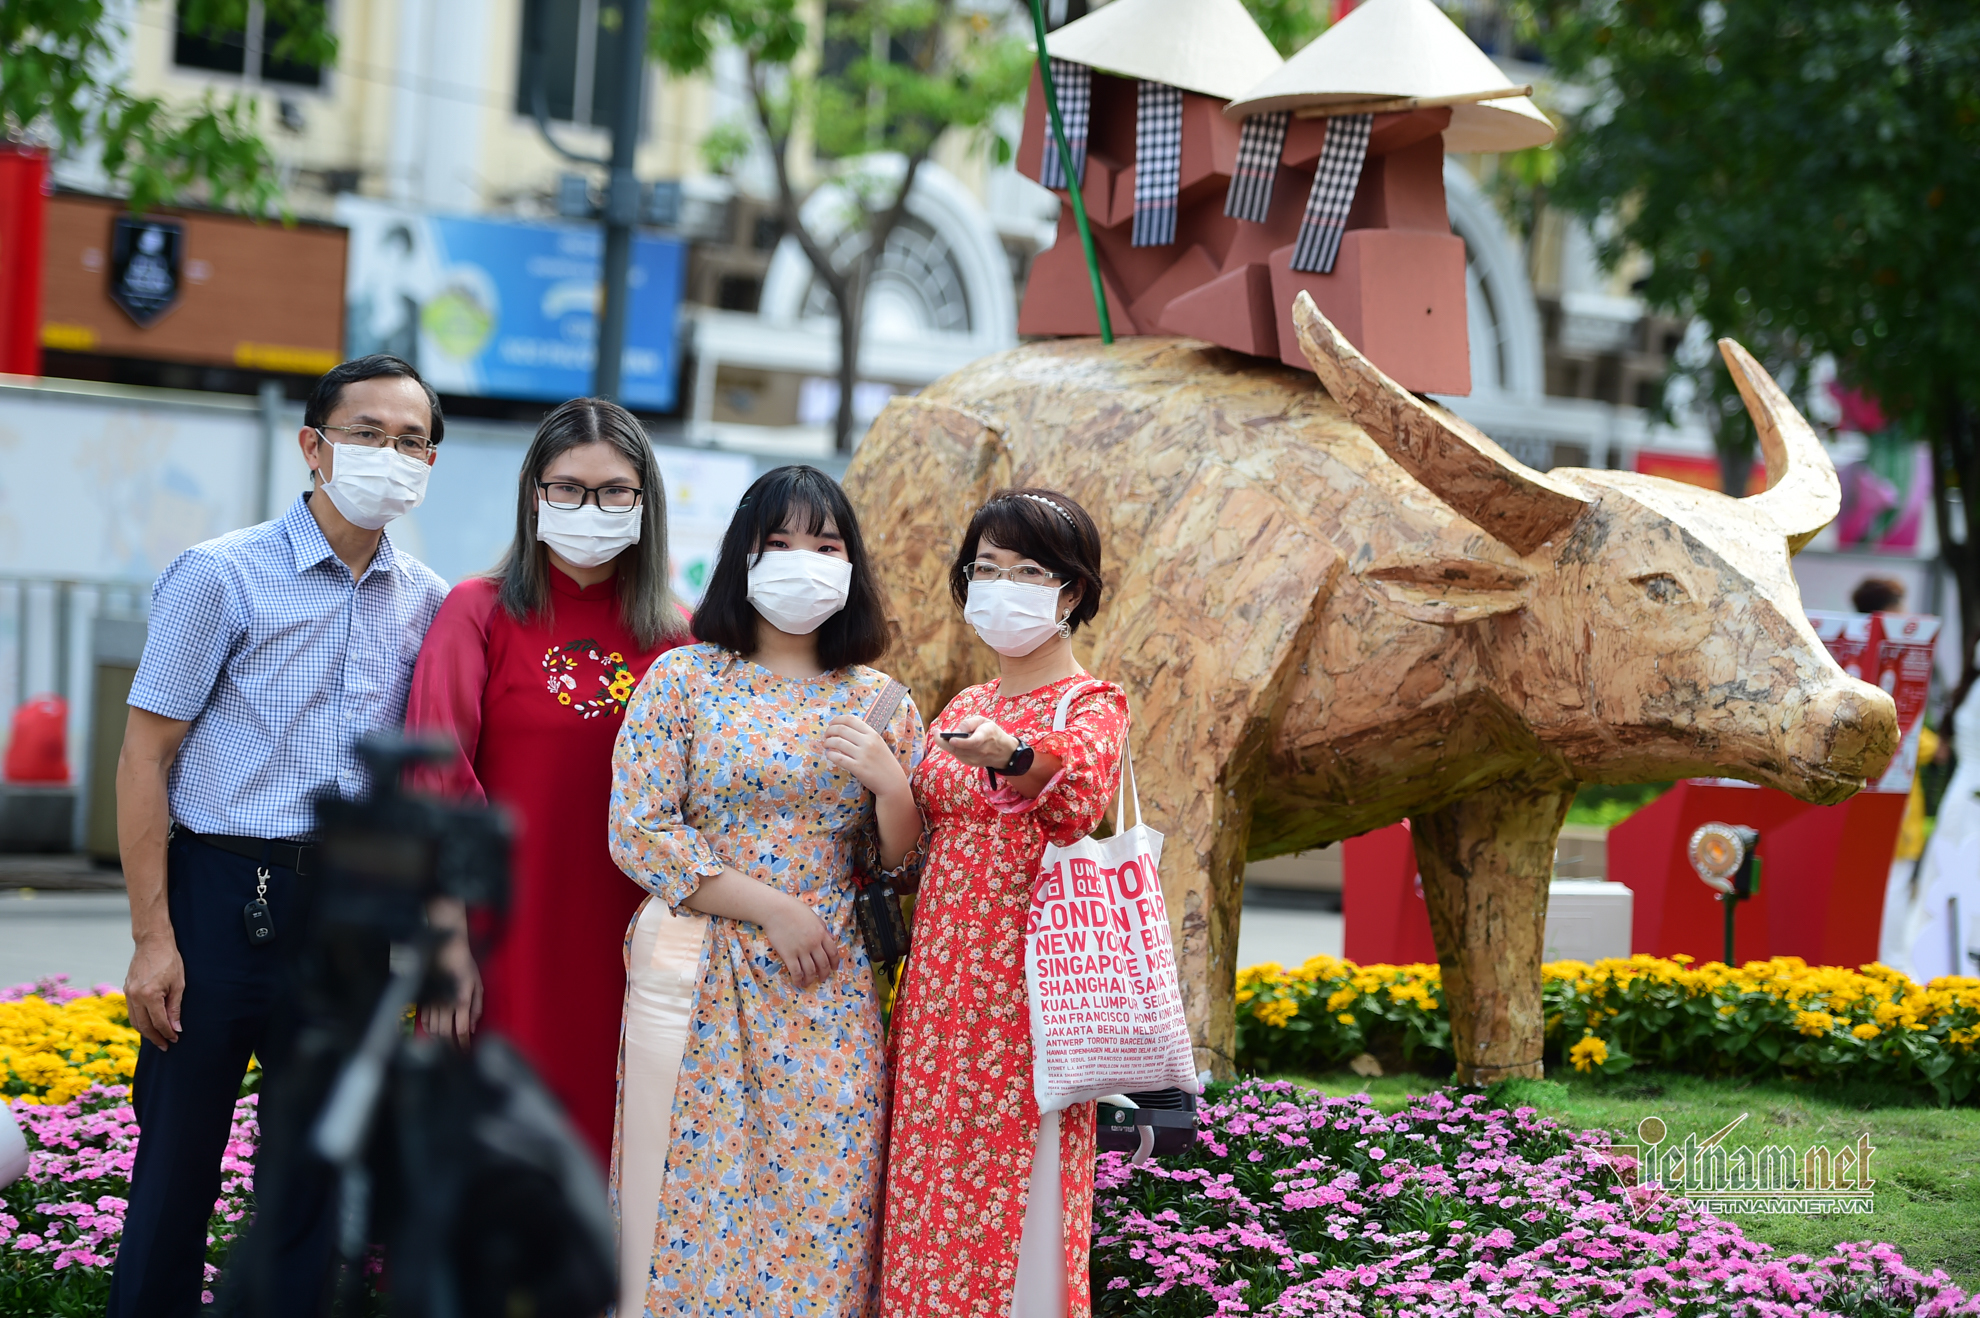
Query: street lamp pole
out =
(621, 209)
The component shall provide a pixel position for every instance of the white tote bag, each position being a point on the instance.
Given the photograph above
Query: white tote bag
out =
(1099, 967)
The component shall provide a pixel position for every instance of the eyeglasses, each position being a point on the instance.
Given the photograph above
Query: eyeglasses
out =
(568, 495)
(1025, 574)
(412, 446)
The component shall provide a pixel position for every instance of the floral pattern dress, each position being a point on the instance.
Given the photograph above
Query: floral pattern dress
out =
(777, 1142)
(965, 1121)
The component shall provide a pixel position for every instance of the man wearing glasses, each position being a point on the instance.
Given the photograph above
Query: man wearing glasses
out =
(271, 651)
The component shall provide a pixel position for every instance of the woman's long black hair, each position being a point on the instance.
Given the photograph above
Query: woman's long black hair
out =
(646, 599)
(791, 499)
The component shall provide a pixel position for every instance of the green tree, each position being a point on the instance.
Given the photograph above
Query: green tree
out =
(1289, 24)
(58, 88)
(884, 76)
(1805, 177)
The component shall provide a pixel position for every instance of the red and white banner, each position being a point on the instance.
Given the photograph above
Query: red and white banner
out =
(1904, 644)
(1850, 642)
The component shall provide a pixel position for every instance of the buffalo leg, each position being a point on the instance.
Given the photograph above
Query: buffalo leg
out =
(1204, 886)
(1486, 863)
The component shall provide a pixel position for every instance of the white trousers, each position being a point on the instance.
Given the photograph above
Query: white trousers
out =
(1041, 1272)
(664, 967)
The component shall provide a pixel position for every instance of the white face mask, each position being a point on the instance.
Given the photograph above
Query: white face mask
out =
(1013, 619)
(796, 590)
(371, 486)
(586, 536)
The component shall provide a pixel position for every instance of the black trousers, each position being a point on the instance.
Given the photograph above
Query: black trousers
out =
(239, 1002)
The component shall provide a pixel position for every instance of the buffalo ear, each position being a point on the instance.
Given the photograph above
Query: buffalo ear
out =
(1449, 591)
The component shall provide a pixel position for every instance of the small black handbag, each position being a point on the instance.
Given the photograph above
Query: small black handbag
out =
(877, 906)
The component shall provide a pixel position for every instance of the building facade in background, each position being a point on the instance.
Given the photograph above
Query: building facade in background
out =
(428, 119)
(434, 221)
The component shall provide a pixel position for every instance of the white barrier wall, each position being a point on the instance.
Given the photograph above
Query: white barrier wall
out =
(101, 487)
(109, 485)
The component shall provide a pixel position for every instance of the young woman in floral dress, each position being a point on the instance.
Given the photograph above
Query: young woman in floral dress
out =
(990, 1209)
(529, 670)
(753, 1099)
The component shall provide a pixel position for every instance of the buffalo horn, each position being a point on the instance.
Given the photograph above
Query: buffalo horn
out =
(1446, 454)
(1802, 494)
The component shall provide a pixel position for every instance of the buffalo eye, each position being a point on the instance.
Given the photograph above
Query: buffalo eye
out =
(1661, 587)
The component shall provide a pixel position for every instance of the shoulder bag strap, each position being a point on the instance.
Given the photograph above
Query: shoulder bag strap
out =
(1065, 703)
(881, 712)
(1129, 789)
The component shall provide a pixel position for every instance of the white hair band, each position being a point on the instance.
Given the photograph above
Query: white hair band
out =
(1039, 498)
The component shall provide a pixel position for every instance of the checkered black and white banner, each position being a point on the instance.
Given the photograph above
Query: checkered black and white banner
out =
(1341, 157)
(1072, 85)
(1157, 163)
(1260, 144)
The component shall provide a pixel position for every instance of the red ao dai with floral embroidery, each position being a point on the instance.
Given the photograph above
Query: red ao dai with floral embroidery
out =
(535, 708)
(965, 1121)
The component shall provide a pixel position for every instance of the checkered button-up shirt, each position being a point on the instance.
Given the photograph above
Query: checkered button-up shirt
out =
(280, 661)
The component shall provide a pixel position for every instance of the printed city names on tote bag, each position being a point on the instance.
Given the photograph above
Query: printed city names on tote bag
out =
(1099, 966)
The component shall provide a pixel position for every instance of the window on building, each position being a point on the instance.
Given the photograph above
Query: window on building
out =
(572, 47)
(841, 50)
(738, 293)
(245, 52)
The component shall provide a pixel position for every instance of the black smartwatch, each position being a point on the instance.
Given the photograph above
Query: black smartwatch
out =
(1020, 762)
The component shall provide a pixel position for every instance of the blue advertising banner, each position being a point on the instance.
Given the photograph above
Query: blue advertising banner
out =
(506, 309)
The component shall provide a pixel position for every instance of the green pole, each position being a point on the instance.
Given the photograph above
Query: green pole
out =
(1072, 182)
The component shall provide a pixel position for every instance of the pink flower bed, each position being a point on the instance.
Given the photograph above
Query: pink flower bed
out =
(1292, 1203)
(60, 1223)
(55, 989)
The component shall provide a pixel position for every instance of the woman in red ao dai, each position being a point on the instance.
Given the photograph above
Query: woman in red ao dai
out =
(529, 670)
(989, 1208)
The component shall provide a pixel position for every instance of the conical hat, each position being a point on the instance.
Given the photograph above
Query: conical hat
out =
(1207, 46)
(1388, 50)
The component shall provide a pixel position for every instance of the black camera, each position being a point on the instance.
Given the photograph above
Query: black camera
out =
(449, 1176)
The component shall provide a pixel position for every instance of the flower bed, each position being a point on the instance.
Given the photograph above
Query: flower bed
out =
(1289, 1203)
(1780, 1017)
(66, 1058)
(1293, 1203)
(55, 1041)
(60, 1224)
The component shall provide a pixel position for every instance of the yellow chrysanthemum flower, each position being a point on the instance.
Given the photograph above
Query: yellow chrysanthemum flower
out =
(1867, 1002)
(1590, 1053)
(1277, 1012)
(50, 1054)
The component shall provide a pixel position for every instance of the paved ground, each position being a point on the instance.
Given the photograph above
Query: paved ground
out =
(59, 873)
(84, 935)
(1287, 934)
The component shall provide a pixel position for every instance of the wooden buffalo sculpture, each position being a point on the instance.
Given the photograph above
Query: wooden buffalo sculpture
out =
(1335, 612)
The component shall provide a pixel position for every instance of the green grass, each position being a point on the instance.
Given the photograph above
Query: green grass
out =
(1926, 1161)
(1606, 805)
